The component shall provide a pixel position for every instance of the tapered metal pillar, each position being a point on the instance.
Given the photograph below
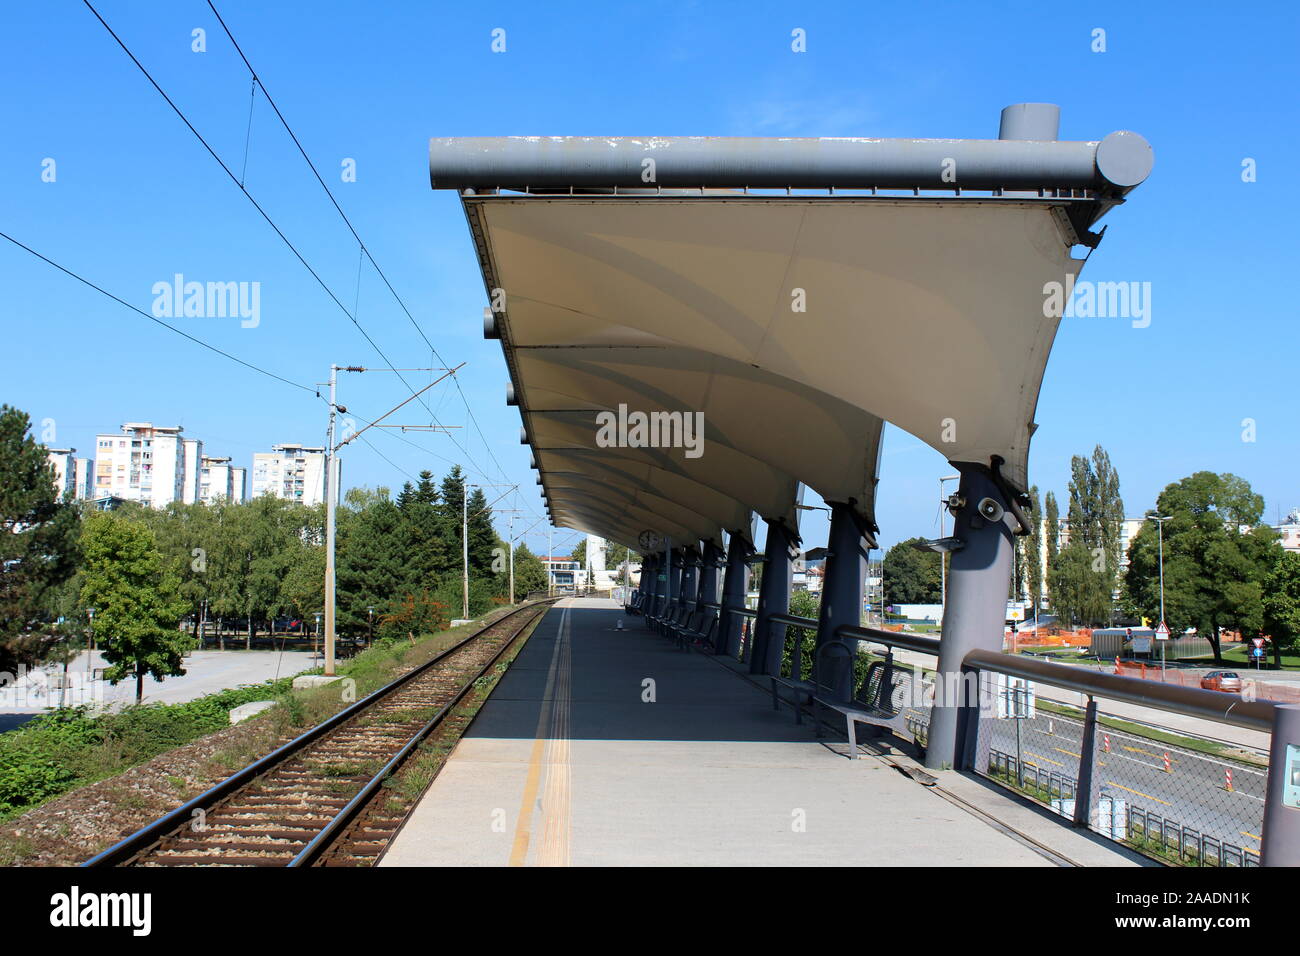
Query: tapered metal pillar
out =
(673, 586)
(650, 583)
(690, 577)
(773, 598)
(979, 574)
(735, 584)
(709, 562)
(845, 574)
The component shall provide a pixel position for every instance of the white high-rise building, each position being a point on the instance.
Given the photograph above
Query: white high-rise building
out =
(291, 471)
(216, 480)
(85, 477)
(65, 470)
(238, 484)
(193, 455)
(144, 463)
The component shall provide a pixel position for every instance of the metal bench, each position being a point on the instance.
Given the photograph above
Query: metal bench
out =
(879, 702)
(699, 628)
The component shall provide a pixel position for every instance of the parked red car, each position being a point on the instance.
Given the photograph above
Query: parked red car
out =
(1227, 681)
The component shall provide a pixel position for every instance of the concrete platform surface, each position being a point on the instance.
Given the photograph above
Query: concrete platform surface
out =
(612, 748)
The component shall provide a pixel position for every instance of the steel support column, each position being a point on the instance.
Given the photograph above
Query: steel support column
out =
(673, 586)
(773, 598)
(709, 563)
(845, 574)
(979, 574)
(735, 584)
(657, 584)
(690, 577)
(1281, 843)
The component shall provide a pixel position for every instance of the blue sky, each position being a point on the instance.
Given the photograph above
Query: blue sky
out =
(137, 199)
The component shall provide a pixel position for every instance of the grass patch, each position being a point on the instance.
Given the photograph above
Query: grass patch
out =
(66, 749)
(1238, 654)
(69, 748)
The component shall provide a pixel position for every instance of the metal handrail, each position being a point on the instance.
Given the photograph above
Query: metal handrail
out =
(1189, 701)
(792, 620)
(909, 642)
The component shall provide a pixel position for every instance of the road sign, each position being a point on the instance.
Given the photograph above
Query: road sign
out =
(1162, 631)
(1257, 641)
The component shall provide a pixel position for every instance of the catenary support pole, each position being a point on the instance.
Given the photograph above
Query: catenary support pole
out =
(331, 495)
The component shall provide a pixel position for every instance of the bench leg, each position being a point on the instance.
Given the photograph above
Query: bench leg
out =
(853, 738)
(776, 703)
(798, 709)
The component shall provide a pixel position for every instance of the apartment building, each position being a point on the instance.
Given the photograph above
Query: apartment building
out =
(71, 474)
(144, 463)
(291, 471)
(219, 479)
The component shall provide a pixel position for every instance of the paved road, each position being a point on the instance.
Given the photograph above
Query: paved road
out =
(1192, 792)
(206, 673)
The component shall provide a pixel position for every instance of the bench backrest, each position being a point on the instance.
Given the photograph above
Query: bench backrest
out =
(833, 671)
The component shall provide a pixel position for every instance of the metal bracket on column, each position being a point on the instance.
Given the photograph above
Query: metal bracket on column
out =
(941, 545)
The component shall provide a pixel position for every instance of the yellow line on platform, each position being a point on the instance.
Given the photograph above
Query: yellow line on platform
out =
(519, 848)
(550, 753)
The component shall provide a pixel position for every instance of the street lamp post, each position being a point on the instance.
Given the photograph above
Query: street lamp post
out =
(1160, 537)
(370, 616)
(90, 648)
(315, 644)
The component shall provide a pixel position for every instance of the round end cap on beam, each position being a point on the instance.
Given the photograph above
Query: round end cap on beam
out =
(510, 394)
(539, 479)
(523, 435)
(1125, 158)
(490, 324)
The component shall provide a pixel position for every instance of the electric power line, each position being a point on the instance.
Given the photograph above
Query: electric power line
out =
(155, 319)
(229, 173)
(360, 242)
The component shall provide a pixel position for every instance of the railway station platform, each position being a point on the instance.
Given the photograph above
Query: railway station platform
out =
(602, 747)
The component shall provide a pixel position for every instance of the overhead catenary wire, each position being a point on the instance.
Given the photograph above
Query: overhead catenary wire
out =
(153, 318)
(360, 242)
(271, 222)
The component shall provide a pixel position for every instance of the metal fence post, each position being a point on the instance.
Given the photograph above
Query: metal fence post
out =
(1087, 756)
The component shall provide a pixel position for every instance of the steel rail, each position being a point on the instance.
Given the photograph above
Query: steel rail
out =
(129, 846)
(323, 840)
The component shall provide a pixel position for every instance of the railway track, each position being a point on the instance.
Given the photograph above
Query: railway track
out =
(317, 800)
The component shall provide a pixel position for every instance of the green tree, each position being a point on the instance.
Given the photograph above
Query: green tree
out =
(423, 534)
(1083, 580)
(1281, 606)
(38, 542)
(137, 603)
(912, 576)
(372, 569)
(1217, 558)
(530, 573)
(1033, 550)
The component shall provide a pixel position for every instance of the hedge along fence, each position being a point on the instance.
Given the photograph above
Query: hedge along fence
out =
(69, 748)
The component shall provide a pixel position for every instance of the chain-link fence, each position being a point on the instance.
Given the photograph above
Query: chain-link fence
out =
(1183, 799)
